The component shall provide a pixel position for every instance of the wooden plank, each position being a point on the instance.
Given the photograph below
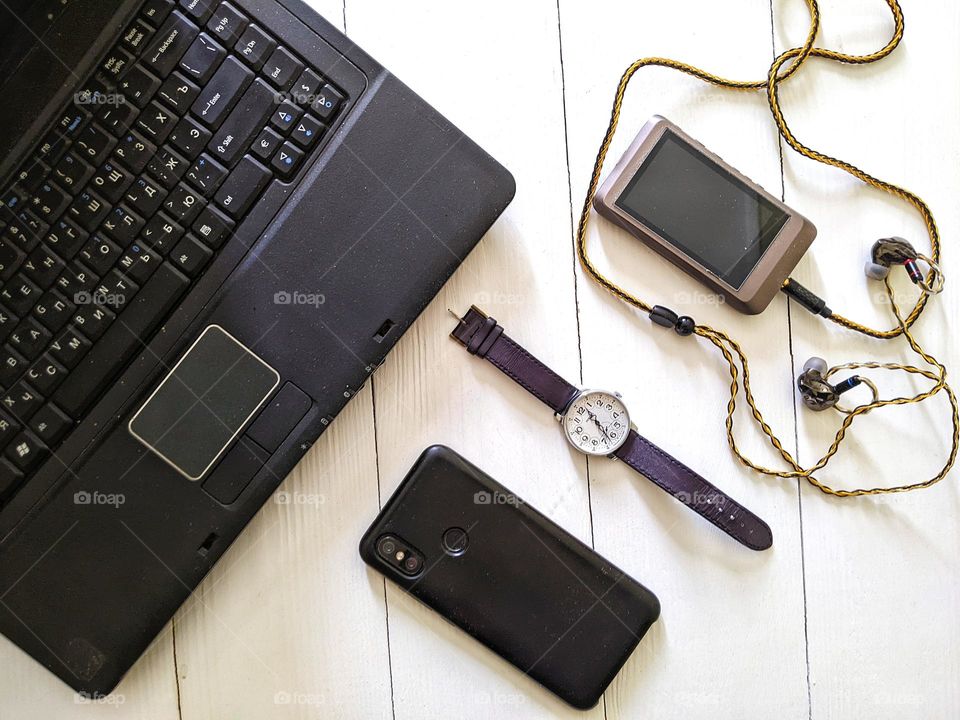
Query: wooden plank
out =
(288, 624)
(493, 70)
(731, 632)
(881, 572)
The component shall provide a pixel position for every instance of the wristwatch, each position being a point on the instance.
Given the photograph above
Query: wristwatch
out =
(597, 422)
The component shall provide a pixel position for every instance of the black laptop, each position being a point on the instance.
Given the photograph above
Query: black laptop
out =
(217, 218)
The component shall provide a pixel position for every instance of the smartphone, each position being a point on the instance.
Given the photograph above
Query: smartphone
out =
(466, 546)
(704, 216)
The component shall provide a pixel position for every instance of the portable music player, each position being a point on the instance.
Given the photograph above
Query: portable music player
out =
(704, 216)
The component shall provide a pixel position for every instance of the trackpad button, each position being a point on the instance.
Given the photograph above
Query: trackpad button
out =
(204, 402)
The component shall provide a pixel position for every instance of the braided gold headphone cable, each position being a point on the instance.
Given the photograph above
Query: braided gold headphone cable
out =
(785, 65)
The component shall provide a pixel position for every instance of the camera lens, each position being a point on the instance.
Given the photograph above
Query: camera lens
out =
(412, 564)
(387, 547)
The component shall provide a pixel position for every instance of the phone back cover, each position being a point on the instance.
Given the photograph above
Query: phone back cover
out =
(524, 587)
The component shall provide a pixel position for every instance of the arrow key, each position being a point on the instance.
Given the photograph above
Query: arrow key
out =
(308, 131)
(287, 159)
(284, 117)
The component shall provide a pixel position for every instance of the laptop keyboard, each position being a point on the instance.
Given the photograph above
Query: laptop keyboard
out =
(121, 207)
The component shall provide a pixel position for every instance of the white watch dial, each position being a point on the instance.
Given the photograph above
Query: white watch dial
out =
(597, 422)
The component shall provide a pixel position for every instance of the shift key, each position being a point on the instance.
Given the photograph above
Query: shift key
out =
(221, 93)
(240, 127)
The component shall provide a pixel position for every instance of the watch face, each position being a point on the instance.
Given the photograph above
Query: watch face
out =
(596, 422)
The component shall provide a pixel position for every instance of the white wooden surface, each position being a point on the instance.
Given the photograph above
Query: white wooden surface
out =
(853, 614)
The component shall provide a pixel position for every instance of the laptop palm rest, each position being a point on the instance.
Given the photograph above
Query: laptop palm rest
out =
(203, 403)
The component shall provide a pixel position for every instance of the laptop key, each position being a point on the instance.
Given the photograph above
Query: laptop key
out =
(121, 341)
(190, 256)
(307, 132)
(169, 44)
(50, 424)
(328, 102)
(111, 181)
(88, 210)
(10, 259)
(50, 201)
(206, 174)
(12, 365)
(19, 295)
(42, 266)
(282, 68)
(53, 310)
(219, 96)
(178, 92)
(227, 23)
(242, 187)
(167, 167)
(65, 238)
(93, 319)
(69, 348)
(139, 86)
(134, 151)
(287, 160)
(21, 402)
(199, 10)
(212, 227)
(8, 321)
(145, 196)
(138, 262)
(246, 120)
(136, 36)
(46, 374)
(266, 144)
(26, 452)
(72, 172)
(94, 144)
(122, 226)
(161, 234)
(202, 59)
(183, 204)
(190, 137)
(116, 64)
(118, 117)
(254, 46)
(8, 429)
(156, 123)
(156, 11)
(30, 339)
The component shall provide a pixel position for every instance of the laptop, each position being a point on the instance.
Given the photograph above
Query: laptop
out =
(216, 219)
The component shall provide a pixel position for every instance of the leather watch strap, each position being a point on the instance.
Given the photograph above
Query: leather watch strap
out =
(483, 337)
(695, 492)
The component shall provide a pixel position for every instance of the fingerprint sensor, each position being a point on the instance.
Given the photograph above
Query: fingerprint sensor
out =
(455, 541)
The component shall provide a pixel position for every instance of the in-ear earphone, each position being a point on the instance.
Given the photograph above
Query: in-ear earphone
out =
(817, 392)
(887, 252)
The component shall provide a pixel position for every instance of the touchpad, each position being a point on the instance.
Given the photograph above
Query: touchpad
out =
(204, 402)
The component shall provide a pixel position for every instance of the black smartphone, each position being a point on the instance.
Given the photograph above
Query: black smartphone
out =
(463, 544)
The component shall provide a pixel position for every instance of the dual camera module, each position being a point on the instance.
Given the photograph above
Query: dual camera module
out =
(400, 555)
